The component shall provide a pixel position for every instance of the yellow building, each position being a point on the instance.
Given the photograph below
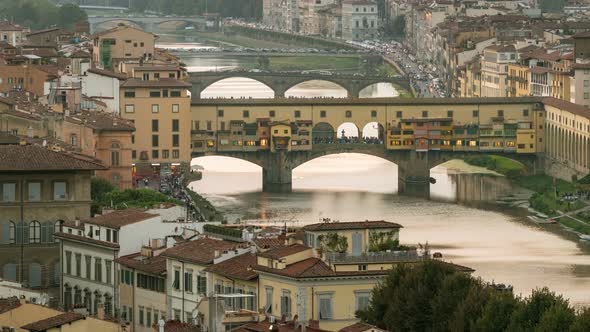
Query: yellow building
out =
(280, 136)
(160, 110)
(120, 44)
(519, 77)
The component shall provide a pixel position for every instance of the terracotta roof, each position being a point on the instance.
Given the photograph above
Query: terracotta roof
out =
(42, 31)
(153, 265)
(36, 158)
(307, 268)
(52, 322)
(539, 70)
(268, 243)
(86, 240)
(201, 251)
(101, 121)
(161, 83)
(178, 326)
(120, 218)
(9, 303)
(264, 326)
(359, 327)
(581, 65)
(334, 226)
(80, 54)
(239, 267)
(118, 28)
(7, 26)
(283, 251)
(567, 106)
(107, 73)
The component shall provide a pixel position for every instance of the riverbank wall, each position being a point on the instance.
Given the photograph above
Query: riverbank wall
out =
(480, 187)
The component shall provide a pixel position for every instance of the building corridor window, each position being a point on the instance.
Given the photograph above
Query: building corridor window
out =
(34, 232)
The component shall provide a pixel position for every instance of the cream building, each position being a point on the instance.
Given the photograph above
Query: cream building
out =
(120, 44)
(360, 20)
(494, 70)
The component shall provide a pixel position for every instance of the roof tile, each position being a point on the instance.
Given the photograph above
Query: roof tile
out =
(16, 158)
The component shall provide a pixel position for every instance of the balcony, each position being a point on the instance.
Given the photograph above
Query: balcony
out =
(373, 257)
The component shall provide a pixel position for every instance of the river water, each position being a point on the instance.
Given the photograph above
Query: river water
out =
(500, 244)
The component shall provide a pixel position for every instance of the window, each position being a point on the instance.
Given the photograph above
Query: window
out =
(175, 154)
(362, 267)
(155, 154)
(78, 265)
(9, 192)
(74, 139)
(176, 282)
(155, 140)
(201, 284)
(399, 114)
(271, 114)
(141, 321)
(373, 114)
(525, 112)
(155, 93)
(155, 108)
(500, 113)
(115, 158)
(115, 236)
(68, 262)
(449, 114)
(34, 232)
(129, 93)
(165, 154)
(362, 299)
(87, 261)
(175, 93)
(585, 95)
(348, 114)
(175, 124)
(60, 191)
(108, 268)
(175, 108)
(157, 77)
(146, 77)
(286, 304)
(188, 281)
(98, 269)
(586, 83)
(34, 191)
(246, 114)
(148, 317)
(297, 114)
(424, 114)
(209, 125)
(322, 114)
(475, 114)
(325, 307)
(155, 124)
(129, 108)
(268, 306)
(175, 140)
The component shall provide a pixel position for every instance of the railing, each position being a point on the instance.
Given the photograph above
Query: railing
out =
(374, 257)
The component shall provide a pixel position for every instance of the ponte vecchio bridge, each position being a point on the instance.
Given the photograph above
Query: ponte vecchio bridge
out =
(281, 82)
(415, 134)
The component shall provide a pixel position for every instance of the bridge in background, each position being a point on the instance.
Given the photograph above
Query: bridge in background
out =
(145, 22)
(281, 82)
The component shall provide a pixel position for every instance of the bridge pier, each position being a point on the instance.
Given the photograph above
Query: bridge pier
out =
(414, 175)
(277, 173)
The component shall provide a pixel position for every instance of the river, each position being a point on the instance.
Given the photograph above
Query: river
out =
(500, 244)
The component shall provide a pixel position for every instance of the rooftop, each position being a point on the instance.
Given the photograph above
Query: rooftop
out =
(155, 68)
(152, 265)
(313, 268)
(360, 327)
(9, 303)
(101, 121)
(264, 326)
(107, 73)
(201, 251)
(239, 267)
(283, 251)
(335, 226)
(52, 322)
(120, 218)
(17, 158)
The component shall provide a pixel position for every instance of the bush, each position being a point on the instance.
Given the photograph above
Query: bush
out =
(226, 231)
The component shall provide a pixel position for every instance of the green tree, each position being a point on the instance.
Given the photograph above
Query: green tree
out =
(99, 187)
(496, 314)
(582, 321)
(558, 318)
(530, 312)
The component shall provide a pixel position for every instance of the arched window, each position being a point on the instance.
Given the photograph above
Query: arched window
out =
(34, 232)
(77, 296)
(74, 139)
(22, 233)
(108, 304)
(35, 275)
(8, 232)
(67, 297)
(97, 302)
(88, 299)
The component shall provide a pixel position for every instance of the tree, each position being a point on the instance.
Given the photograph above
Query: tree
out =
(99, 187)
(332, 242)
(496, 314)
(582, 321)
(530, 312)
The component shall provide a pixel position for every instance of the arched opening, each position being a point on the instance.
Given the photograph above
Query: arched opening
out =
(226, 175)
(373, 133)
(237, 87)
(67, 297)
(323, 133)
(379, 90)
(34, 232)
(348, 132)
(77, 296)
(88, 299)
(8, 232)
(347, 172)
(316, 88)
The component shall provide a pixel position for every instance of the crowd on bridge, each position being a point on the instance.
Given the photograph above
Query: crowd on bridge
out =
(347, 140)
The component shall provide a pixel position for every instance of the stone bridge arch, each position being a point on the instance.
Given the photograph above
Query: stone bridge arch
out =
(198, 86)
(282, 90)
(110, 23)
(398, 85)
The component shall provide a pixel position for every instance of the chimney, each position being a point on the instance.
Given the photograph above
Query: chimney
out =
(100, 311)
(23, 299)
(77, 222)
